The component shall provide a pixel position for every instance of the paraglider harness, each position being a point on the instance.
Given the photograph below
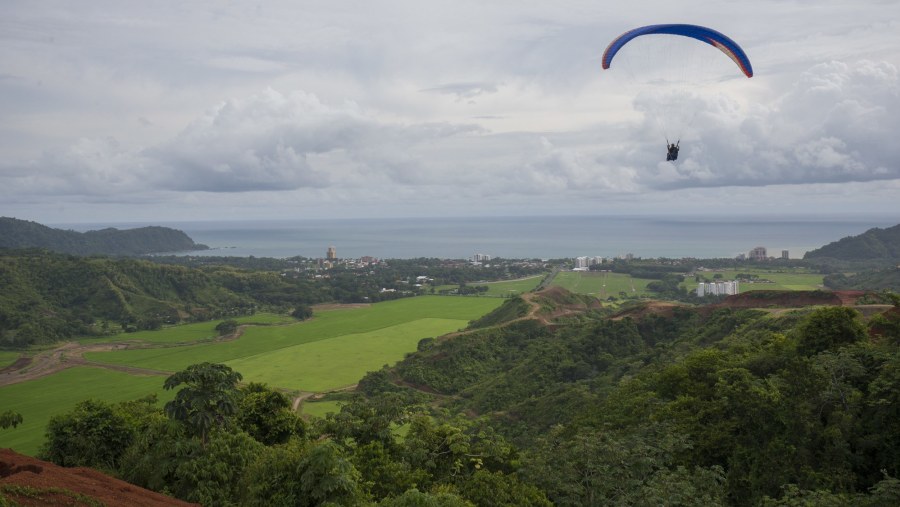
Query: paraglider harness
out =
(672, 155)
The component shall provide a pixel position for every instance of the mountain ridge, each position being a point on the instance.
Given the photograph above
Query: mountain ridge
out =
(18, 234)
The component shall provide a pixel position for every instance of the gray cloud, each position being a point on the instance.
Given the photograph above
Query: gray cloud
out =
(355, 103)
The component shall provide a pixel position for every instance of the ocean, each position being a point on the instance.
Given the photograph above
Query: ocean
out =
(520, 237)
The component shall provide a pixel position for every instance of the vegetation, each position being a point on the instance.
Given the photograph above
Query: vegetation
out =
(873, 246)
(144, 240)
(730, 407)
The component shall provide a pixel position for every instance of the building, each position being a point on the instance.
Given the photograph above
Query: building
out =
(481, 257)
(718, 288)
(758, 254)
(331, 254)
(784, 254)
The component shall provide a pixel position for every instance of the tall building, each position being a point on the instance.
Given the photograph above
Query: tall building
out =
(758, 254)
(784, 254)
(332, 254)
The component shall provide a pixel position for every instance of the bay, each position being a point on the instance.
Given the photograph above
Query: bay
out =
(545, 237)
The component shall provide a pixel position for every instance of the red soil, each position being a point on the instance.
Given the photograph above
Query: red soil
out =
(29, 481)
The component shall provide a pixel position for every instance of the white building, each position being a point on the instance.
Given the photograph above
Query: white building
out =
(718, 288)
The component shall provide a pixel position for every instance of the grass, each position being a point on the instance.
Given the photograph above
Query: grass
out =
(340, 361)
(320, 408)
(325, 325)
(333, 349)
(39, 400)
(782, 280)
(187, 333)
(502, 288)
(8, 357)
(602, 284)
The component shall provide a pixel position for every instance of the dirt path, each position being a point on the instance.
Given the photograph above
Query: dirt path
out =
(71, 354)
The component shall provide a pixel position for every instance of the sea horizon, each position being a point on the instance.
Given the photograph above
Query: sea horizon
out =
(561, 236)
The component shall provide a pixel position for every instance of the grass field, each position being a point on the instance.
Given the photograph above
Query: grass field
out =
(342, 360)
(186, 333)
(320, 408)
(782, 280)
(601, 284)
(334, 349)
(8, 357)
(439, 315)
(38, 400)
(502, 288)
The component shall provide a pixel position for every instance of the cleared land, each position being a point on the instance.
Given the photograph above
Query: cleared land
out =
(441, 315)
(320, 408)
(40, 399)
(502, 288)
(602, 284)
(334, 349)
(779, 280)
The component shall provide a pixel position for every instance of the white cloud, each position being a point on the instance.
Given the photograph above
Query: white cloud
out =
(357, 102)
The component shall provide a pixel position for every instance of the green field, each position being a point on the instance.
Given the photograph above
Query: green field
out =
(40, 399)
(434, 316)
(340, 361)
(320, 408)
(602, 284)
(187, 333)
(781, 280)
(333, 349)
(502, 288)
(8, 357)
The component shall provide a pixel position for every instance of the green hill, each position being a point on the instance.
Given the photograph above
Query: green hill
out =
(15, 233)
(876, 244)
(733, 403)
(48, 297)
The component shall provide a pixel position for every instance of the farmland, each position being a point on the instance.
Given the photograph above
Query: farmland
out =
(602, 284)
(501, 288)
(40, 399)
(774, 280)
(333, 349)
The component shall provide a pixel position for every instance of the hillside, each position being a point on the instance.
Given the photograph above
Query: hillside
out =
(28, 481)
(876, 244)
(49, 297)
(700, 396)
(16, 233)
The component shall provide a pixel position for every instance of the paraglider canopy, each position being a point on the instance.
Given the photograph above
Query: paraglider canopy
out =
(701, 33)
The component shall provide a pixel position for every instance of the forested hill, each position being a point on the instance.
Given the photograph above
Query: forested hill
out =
(876, 244)
(15, 233)
(729, 407)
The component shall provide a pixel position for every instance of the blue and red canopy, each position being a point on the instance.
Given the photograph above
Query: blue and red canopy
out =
(701, 33)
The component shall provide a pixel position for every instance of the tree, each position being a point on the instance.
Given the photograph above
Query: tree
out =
(267, 416)
(208, 398)
(95, 434)
(302, 312)
(10, 419)
(828, 328)
(227, 327)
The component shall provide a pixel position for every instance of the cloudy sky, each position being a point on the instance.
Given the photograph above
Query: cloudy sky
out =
(118, 111)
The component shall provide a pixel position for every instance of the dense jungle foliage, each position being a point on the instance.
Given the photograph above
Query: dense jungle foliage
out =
(16, 233)
(723, 407)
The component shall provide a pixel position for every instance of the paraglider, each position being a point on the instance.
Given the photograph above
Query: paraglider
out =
(672, 149)
(700, 33)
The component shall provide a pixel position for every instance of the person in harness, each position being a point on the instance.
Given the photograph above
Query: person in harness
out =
(672, 154)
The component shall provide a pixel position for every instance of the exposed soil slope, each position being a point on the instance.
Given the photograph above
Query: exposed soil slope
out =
(29, 481)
